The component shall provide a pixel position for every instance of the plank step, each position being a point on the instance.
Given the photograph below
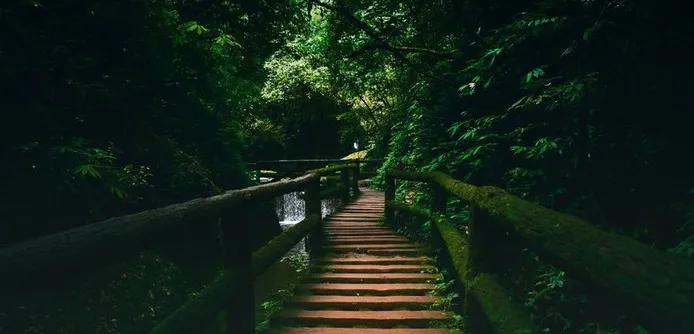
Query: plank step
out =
(355, 225)
(376, 260)
(369, 268)
(369, 237)
(376, 251)
(363, 318)
(340, 235)
(362, 302)
(372, 277)
(367, 240)
(357, 289)
(367, 231)
(335, 330)
(377, 246)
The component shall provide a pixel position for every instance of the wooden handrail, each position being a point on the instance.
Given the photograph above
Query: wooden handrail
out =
(317, 161)
(115, 237)
(503, 314)
(657, 286)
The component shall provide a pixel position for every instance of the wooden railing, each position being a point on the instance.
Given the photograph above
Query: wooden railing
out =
(288, 168)
(656, 286)
(231, 291)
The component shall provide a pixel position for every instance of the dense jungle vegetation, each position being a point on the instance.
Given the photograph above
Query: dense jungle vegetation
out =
(112, 107)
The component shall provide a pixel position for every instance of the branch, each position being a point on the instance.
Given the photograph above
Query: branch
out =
(379, 41)
(372, 113)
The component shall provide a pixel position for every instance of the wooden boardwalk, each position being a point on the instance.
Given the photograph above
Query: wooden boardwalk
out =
(372, 280)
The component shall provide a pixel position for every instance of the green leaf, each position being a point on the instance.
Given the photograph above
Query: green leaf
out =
(534, 74)
(87, 170)
(454, 128)
(118, 192)
(195, 27)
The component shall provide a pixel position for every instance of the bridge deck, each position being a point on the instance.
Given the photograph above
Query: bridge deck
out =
(372, 280)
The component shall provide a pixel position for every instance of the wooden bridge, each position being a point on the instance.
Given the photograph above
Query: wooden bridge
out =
(368, 279)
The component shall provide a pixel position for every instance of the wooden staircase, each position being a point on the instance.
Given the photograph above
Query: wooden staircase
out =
(373, 281)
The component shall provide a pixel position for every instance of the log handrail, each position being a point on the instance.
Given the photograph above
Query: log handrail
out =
(319, 161)
(657, 286)
(114, 238)
(117, 237)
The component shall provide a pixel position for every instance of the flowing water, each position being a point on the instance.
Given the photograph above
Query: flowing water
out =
(290, 210)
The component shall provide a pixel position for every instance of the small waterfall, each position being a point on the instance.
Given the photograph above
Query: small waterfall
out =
(290, 210)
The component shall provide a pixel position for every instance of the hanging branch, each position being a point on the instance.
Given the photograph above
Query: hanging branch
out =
(379, 41)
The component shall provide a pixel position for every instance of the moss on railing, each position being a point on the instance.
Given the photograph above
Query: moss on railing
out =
(503, 313)
(215, 297)
(331, 169)
(419, 212)
(281, 244)
(655, 285)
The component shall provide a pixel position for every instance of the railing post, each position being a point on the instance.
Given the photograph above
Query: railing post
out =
(355, 179)
(237, 255)
(345, 183)
(312, 202)
(389, 198)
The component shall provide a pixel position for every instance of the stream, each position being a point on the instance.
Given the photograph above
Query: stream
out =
(290, 210)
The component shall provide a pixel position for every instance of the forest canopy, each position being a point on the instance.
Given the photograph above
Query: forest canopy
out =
(125, 105)
(112, 107)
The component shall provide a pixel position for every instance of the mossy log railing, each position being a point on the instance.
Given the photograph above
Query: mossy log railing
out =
(654, 285)
(117, 238)
(288, 168)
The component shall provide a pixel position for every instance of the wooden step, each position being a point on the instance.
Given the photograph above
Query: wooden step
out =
(361, 211)
(356, 289)
(375, 251)
(365, 260)
(355, 216)
(335, 330)
(376, 246)
(362, 302)
(370, 268)
(372, 277)
(366, 240)
(363, 318)
(359, 233)
(345, 220)
(372, 280)
(363, 207)
(357, 227)
(353, 225)
(369, 237)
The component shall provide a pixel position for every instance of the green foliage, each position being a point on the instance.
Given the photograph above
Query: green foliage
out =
(685, 248)
(553, 100)
(549, 282)
(114, 107)
(128, 105)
